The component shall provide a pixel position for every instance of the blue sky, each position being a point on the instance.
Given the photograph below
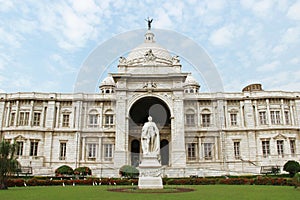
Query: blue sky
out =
(44, 43)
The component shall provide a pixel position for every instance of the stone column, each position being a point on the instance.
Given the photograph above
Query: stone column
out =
(57, 114)
(16, 122)
(101, 115)
(100, 150)
(199, 149)
(268, 112)
(256, 114)
(83, 152)
(292, 115)
(242, 114)
(7, 122)
(282, 113)
(31, 113)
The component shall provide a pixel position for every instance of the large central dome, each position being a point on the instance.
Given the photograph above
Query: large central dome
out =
(149, 51)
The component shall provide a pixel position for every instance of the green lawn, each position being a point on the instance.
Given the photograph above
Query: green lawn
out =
(204, 192)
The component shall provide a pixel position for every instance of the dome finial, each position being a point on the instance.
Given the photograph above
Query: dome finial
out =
(149, 21)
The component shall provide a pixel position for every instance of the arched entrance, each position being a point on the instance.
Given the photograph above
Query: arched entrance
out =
(135, 153)
(164, 152)
(139, 113)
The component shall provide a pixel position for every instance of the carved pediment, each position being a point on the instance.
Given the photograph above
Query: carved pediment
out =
(280, 137)
(19, 137)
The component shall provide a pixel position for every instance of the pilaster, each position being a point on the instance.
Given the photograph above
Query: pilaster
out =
(121, 143)
(50, 116)
(178, 154)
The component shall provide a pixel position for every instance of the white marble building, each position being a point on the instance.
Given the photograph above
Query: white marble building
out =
(201, 133)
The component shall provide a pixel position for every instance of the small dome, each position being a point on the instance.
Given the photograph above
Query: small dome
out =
(108, 81)
(191, 81)
(253, 87)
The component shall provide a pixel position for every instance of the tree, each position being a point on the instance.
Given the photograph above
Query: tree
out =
(8, 162)
(291, 167)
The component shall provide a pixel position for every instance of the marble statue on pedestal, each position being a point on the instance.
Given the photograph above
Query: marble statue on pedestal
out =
(150, 168)
(150, 138)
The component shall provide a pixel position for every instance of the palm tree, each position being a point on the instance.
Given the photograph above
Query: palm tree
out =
(8, 162)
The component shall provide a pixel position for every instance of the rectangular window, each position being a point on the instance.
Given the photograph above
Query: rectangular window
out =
(236, 148)
(24, 118)
(190, 119)
(287, 117)
(266, 148)
(109, 120)
(12, 119)
(20, 148)
(36, 119)
(108, 151)
(65, 120)
(63, 150)
(233, 119)
(93, 120)
(262, 118)
(208, 151)
(191, 151)
(293, 147)
(92, 150)
(275, 117)
(205, 120)
(280, 147)
(33, 148)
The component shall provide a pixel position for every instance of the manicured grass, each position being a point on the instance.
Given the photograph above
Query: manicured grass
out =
(203, 192)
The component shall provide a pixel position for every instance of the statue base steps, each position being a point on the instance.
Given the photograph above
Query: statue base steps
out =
(150, 173)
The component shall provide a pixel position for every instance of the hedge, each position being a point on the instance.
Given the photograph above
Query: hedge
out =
(260, 180)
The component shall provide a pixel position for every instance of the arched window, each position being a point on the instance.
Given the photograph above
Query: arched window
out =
(205, 118)
(109, 118)
(93, 119)
(190, 117)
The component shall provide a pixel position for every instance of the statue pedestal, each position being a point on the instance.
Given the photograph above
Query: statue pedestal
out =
(150, 173)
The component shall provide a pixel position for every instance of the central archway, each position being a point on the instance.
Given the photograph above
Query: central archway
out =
(153, 106)
(138, 115)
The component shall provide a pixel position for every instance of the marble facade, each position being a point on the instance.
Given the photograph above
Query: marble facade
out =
(201, 134)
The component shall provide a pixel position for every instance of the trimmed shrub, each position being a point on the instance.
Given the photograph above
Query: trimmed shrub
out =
(292, 167)
(64, 170)
(129, 171)
(83, 171)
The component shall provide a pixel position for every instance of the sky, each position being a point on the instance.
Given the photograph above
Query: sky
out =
(43, 44)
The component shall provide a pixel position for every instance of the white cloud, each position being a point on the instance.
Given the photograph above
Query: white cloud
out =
(71, 24)
(216, 5)
(61, 65)
(291, 36)
(268, 67)
(261, 8)
(163, 19)
(5, 5)
(294, 11)
(279, 49)
(222, 36)
(295, 61)
(11, 39)
(86, 6)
